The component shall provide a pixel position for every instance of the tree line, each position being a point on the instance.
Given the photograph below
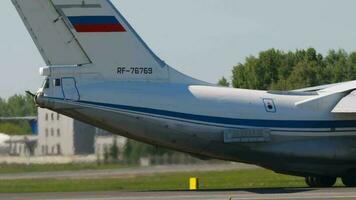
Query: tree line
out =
(278, 70)
(17, 106)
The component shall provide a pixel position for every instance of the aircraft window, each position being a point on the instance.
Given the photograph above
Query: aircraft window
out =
(57, 82)
(293, 93)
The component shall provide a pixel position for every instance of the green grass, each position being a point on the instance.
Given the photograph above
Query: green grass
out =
(258, 178)
(13, 168)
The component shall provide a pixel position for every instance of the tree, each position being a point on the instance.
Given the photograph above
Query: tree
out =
(17, 106)
(114, 150)
(278, 70)
(223, 82)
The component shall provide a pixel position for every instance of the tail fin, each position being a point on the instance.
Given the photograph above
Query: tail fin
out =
(92, 34)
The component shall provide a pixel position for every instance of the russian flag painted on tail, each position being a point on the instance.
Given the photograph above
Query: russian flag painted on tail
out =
(92, 24)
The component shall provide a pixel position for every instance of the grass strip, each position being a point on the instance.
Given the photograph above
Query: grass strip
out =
(236, 179)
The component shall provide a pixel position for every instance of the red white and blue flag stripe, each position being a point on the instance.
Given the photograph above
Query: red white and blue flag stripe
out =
(96, 24)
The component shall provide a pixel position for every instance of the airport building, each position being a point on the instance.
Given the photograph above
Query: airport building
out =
(61, 135)
(21, 145)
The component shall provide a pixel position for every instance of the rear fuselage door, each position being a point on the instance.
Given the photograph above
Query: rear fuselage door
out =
(70, 89)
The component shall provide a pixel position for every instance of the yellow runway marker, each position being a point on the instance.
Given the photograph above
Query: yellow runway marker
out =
(193, 183)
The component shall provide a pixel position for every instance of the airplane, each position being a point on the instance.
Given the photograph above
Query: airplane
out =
(100, 71)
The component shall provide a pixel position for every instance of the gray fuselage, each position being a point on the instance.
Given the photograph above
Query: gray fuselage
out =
(259, 127)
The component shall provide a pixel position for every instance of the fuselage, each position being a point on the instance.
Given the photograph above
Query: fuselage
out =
(260, 127)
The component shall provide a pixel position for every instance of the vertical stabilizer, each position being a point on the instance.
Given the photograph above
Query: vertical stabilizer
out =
(56, 43)
(94, 36)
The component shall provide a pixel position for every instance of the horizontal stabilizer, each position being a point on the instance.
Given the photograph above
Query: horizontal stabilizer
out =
(316, 88)
(328, 95)
(346, 104)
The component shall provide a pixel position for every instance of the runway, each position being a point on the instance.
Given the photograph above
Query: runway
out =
(249, 194)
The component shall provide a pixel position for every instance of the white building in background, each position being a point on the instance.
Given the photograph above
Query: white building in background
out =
(4, 144)
(60, 139)
(61, 135)
(17, 145)
(22, 145)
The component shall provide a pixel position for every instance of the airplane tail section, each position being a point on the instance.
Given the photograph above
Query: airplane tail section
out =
(93, 36)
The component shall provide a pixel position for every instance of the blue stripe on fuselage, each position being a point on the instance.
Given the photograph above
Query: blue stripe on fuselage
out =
(233, 121)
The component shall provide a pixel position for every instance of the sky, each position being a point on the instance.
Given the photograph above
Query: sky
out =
(202, 38)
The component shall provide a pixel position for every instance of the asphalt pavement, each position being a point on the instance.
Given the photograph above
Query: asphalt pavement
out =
(249, 194)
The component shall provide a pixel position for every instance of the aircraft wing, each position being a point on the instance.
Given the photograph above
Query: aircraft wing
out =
(346, 104)
(342, 96)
